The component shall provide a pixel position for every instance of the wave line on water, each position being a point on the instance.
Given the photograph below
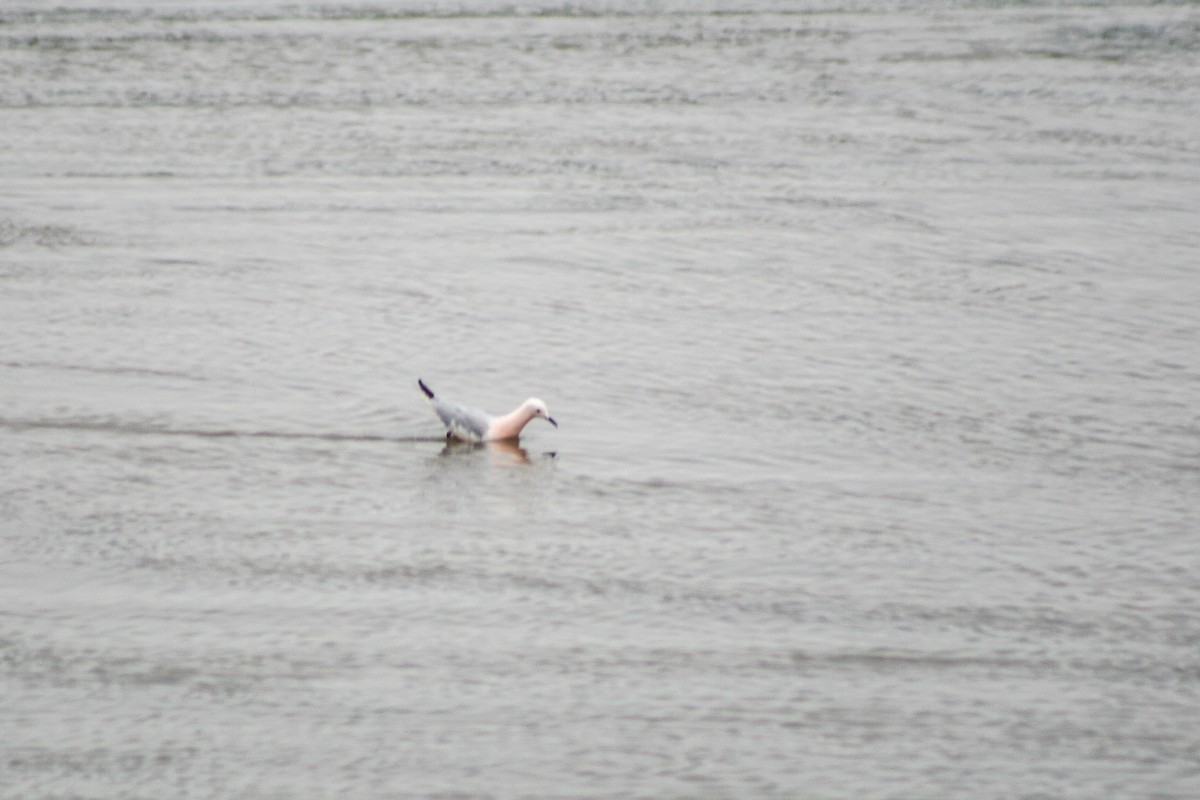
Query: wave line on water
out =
(230, 433)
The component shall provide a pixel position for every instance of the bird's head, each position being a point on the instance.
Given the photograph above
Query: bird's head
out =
(538, 408)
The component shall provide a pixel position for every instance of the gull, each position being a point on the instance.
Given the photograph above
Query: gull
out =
(472, 425)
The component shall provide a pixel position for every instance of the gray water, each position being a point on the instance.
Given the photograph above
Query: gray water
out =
(871, 330)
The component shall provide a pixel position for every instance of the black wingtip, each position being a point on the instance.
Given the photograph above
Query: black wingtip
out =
(428, 392)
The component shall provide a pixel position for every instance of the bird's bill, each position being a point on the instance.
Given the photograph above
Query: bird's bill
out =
(551, 421)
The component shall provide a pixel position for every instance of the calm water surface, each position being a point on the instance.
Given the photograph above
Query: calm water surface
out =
(871, 330)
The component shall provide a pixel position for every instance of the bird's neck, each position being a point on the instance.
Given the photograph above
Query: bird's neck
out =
(509, 426)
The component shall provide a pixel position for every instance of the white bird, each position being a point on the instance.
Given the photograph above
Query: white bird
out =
(473, 425)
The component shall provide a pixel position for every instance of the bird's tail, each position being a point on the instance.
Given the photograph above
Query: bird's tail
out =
(428, 392)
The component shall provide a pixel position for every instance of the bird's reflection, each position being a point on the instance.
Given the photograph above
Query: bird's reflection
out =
(503, 453)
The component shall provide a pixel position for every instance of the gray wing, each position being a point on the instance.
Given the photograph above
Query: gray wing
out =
(465, 423)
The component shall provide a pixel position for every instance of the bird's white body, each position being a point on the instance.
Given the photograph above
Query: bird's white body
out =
(473, 425)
